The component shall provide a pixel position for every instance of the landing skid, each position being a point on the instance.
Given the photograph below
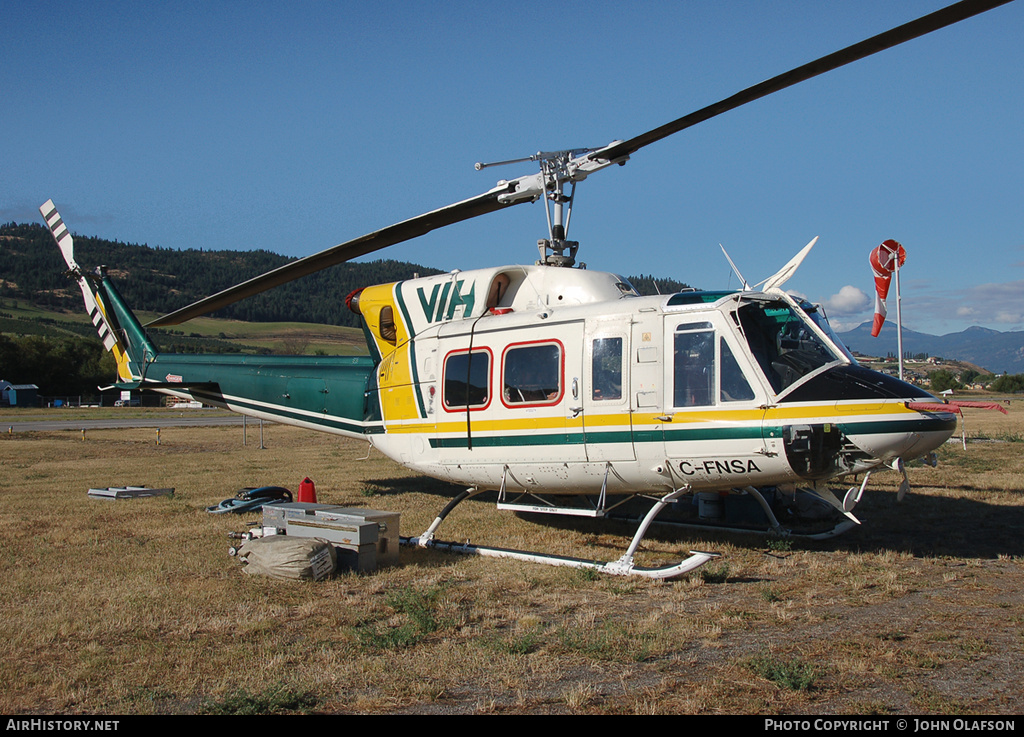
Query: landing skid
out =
(822, 516)
(780, 532)
(624, 566)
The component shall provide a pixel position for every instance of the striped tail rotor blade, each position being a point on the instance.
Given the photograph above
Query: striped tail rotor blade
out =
(96, 315)
(67, 248)
(60, 232)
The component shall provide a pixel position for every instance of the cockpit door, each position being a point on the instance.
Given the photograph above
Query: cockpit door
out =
(713, 410)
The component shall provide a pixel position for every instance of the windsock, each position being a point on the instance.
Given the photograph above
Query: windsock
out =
(884, 259)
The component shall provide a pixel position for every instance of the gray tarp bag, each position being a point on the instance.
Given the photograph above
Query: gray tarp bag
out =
(288, 557)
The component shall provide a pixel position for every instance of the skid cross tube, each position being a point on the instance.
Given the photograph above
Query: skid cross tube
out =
(624, 566)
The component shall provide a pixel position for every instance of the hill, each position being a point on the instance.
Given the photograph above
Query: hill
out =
(160, 280)
(46, 337)
(995, 351)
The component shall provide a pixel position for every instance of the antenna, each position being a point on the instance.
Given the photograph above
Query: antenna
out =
(746, 287)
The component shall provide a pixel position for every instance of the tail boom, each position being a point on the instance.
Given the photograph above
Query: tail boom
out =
(328, 393)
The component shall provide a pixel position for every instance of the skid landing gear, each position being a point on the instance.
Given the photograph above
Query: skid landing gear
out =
(624, 566)
(799, 513)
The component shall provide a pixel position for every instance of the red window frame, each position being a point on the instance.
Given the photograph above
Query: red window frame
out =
(561, 373)
(461, 409)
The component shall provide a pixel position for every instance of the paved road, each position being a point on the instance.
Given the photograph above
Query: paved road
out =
(12, 424)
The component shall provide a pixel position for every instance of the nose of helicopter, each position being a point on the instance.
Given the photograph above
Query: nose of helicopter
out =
(885, 418)
(902, 434)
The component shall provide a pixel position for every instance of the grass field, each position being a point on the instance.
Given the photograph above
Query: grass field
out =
(135, 606)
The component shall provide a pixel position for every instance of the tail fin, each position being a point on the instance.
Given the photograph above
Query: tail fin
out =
(118, 328)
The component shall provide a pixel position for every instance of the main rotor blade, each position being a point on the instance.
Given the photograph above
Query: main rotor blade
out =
(924, 25)
(530, 188)
(389, 236)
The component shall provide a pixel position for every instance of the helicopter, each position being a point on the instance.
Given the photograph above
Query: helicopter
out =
(562, 388)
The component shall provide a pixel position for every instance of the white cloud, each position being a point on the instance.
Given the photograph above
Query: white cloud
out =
(849, 301)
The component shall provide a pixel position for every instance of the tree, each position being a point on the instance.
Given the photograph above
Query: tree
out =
(1008, 384)
(59, 367)
(942, 380)
(969, 376)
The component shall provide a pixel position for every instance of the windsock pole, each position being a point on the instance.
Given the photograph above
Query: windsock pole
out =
(885, 261)
(899, 315)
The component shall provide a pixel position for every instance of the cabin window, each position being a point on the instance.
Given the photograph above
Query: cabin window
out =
(734, 385)
(532, 374)
(818, 317)
(694, 365)
(606, 369)
(467, 380)
(387, 324)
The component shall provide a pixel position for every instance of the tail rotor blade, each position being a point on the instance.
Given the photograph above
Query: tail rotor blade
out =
(66, 244)
(60, 232)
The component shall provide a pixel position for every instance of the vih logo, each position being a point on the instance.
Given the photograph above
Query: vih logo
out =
(444, 299)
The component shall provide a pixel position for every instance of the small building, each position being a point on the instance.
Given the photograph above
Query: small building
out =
(19, 395)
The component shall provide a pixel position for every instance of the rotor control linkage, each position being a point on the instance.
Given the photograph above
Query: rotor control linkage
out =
(556, 169)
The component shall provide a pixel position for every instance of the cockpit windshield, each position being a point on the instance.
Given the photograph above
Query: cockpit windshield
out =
(818, 316)
(784, 344)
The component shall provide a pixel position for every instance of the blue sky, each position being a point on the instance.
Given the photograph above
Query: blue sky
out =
(293, 127)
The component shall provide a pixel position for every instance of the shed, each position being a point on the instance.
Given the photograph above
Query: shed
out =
(19, 395)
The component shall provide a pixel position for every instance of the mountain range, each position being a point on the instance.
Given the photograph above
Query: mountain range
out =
(990, 349)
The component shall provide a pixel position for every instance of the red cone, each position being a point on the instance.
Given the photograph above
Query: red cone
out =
(307, 491)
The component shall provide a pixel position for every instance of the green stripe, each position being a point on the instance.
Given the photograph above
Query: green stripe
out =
(506, 441)
(714, 433)
(597, 438)
(410, 328)
(659, 435)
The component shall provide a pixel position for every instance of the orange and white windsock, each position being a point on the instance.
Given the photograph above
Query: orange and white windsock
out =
(884, 259)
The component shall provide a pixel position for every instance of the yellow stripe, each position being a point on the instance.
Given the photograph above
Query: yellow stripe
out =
(819, 413)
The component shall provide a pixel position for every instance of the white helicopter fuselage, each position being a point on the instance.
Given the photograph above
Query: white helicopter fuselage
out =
(536, 378)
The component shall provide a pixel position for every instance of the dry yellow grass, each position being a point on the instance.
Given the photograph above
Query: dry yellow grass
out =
(135, 606)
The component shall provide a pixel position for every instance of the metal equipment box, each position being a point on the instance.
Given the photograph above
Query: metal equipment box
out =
(364, 538)
(128, 492)
(276, 516)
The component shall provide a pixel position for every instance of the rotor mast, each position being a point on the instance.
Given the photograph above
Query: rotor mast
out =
(557, 169)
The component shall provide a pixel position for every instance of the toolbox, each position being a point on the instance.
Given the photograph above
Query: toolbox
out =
(364, 538)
